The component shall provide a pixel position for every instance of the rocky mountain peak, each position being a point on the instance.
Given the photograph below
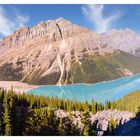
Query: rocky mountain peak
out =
(51, 30)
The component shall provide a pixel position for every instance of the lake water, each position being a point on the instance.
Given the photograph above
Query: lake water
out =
(100, 92)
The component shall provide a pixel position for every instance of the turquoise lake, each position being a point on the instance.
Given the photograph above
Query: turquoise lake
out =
(100, 92)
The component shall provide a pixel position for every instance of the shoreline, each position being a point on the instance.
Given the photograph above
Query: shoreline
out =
(17, 86)
(88, 84)
(24, 87)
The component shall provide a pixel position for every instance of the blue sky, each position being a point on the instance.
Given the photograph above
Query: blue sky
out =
(99, 18)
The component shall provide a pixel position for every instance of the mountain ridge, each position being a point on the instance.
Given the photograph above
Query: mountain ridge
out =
(59, 52)
(40, 30)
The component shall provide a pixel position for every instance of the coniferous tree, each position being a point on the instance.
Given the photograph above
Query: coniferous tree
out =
(69, 108)
(94, 107)
(138, 113)
(36, 121)
(71, 129)
(13, 112)
(0, 124)
(86, 107)
(91, 130)
(1, 111)
(6, 118)
(113, 105)
(86, 131)
(99, 107)
(51, 119)
(74, 130)
(61, 127)
(112, 125)
(84, 118)
(106, 105)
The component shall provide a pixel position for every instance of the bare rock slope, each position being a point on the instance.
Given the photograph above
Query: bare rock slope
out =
(101, 121)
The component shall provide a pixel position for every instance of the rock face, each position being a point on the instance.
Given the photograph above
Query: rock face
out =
(101, 121)
(127, 124)
(59, 52)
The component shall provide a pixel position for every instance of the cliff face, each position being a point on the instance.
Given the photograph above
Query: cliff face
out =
(59, 52)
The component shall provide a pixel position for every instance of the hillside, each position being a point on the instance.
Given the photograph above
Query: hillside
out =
(131, 102)
(92, 69)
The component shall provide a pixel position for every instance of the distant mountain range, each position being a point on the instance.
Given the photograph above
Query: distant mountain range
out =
(59, 52)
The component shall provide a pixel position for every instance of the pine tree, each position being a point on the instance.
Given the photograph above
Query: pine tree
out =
(61, 128)
(21, 116)
(71, 128)
(84, 118)
(107, 105)
(91, 130)
(113, 105)
(36, 122)
(69, 108)
(99, 107)
(6, 118)
(138, 113)
(86, 131)
(74, 131)
(93, 107)
(12, 111)
(86, 107)
(112, 125)
(0, 121)
(51, 121)
(1, 111)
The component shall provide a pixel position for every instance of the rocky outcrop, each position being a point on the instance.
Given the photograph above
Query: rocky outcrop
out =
(125, 72)
(13, 40)
(101, 121)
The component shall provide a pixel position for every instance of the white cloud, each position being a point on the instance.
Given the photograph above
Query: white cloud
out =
(22, 19)
(94, 13)
(7, 25)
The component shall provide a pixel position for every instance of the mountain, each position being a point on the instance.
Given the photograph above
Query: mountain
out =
(126, 40)
(60, 52)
